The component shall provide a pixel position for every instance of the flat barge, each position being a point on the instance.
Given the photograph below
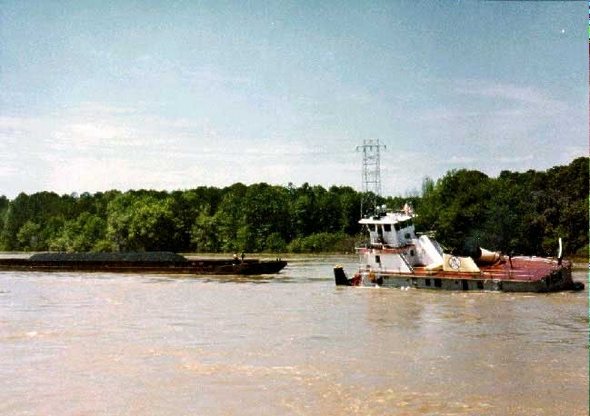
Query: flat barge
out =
(395, 257)
(144, 262)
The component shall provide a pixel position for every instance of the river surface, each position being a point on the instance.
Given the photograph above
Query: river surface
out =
(289, 344)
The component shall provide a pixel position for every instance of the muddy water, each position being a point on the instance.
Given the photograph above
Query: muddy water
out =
(292, 344)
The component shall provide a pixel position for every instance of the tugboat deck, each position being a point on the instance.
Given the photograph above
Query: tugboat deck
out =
(526, 269)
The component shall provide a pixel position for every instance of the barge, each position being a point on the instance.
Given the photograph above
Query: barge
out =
(396, 257)
(144, 262)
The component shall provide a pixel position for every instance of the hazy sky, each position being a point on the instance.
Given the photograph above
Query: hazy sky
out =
(98, 95)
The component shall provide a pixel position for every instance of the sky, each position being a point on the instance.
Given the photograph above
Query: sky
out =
(174, 95)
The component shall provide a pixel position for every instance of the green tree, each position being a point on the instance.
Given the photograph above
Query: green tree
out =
(143, 221)
(85, 233)
(456, 209)
(205, 233)
(29, 236)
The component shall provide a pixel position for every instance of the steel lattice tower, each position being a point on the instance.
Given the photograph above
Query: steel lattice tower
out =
(371, 150)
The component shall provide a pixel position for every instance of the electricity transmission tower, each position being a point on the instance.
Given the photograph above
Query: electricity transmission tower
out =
(371, 189)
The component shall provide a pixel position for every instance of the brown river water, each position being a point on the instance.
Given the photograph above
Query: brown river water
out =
(289, 344)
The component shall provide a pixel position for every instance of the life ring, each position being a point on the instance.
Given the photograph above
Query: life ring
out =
(454, 263)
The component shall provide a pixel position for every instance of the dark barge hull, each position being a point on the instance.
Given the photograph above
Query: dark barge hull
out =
(126, 263)
(523, 275)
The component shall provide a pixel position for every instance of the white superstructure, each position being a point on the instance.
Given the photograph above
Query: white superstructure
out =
(393, 246)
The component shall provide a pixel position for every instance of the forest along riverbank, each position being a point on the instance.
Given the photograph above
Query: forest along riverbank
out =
(514, 212)
(290, 343)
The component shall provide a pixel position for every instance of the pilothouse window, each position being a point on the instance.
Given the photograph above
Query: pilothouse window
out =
(371, 227)
(387, 228)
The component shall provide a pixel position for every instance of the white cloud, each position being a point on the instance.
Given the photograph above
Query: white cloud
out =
(90, 174)
(459, 160)
(510, 92)
(97, 129)
(8, 171)
(97, 147)
(17, 127)
(515, 159)
(84, 134)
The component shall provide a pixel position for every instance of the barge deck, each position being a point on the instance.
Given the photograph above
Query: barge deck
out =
(145, 262)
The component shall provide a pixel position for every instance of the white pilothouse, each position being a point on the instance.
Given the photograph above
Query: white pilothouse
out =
(393, 247)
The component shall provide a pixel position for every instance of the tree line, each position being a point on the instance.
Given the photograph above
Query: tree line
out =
(523, 213)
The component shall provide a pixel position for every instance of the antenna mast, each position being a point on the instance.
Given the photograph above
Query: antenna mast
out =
(371, 149)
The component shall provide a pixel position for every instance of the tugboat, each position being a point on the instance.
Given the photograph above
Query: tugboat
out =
(395, 256)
